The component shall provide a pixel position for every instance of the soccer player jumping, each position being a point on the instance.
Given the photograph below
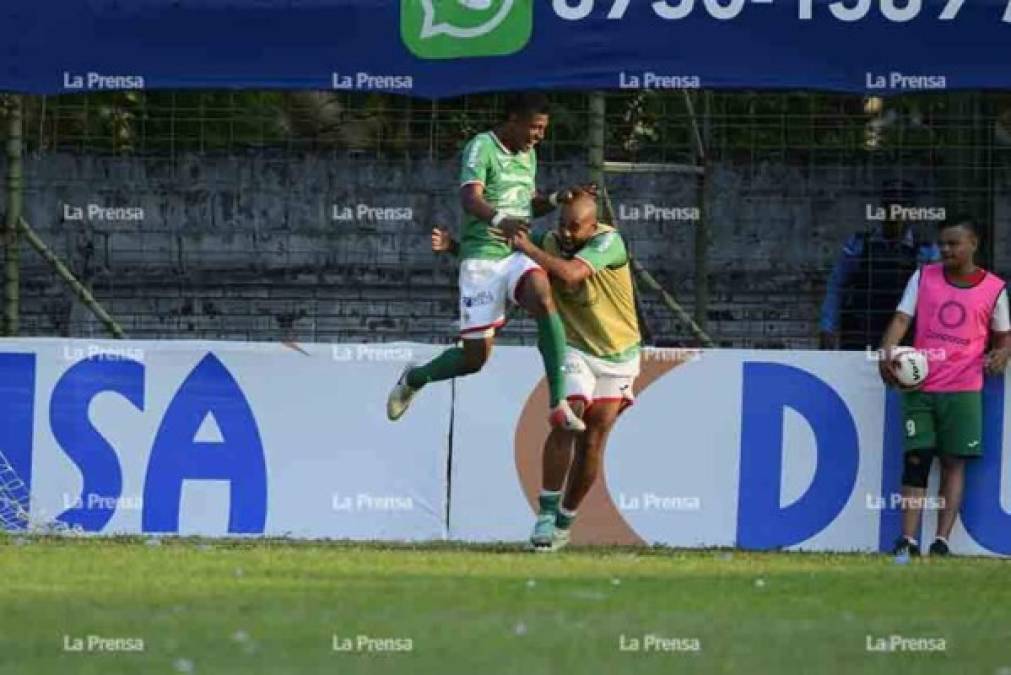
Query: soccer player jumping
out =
(499, 198)
(956, 304)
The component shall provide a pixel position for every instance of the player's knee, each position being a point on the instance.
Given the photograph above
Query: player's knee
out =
(594, 437)
(538, 294)
(916, 469)
(951, 465)
(473, 362)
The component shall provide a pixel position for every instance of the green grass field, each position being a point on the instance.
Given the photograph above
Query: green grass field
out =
(283, 607)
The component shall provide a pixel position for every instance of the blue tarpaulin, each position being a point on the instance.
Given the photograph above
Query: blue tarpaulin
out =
(437, 48)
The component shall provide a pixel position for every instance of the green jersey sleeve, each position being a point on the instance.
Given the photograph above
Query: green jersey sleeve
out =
(604, 250)
(477, 158)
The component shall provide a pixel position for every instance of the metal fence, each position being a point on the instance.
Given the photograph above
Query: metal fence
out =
(304, 215)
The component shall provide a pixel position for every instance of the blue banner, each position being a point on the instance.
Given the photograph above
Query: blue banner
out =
(439, 48)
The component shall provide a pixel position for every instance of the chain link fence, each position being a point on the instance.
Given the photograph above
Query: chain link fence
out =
(305, 215)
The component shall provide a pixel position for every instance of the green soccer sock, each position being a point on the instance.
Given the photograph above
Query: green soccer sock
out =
(551, 345)
(549, 502)
(565, 518)
(445, 366)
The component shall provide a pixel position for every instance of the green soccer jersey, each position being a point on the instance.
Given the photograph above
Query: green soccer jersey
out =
(508, 179)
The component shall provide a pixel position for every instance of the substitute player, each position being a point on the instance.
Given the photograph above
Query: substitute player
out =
(956, 304)
(592, 283)
(499, 198)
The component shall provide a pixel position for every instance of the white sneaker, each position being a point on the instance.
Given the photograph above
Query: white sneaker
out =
(560, 538)
(401, 396)
(562, 417)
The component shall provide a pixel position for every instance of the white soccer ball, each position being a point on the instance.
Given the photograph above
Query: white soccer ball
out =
(910, 367)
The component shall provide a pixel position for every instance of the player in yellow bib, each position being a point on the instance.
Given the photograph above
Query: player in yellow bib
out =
(591, 281)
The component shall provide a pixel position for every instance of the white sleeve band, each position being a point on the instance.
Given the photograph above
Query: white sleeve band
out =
(553, 199)
(1001, 321)
(908, 303)
(497, 219)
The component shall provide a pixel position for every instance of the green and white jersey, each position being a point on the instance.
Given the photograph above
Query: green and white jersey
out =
(508, 180)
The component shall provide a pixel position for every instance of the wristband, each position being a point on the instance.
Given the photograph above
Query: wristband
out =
(553, 199)
(497, 219)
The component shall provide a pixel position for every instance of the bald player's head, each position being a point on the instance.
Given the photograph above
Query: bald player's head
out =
(577, 221)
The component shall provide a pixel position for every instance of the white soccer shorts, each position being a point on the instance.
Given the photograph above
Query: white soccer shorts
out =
(593, 380)
(485, 286)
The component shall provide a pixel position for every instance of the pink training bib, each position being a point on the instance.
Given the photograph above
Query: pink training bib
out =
(952, 327)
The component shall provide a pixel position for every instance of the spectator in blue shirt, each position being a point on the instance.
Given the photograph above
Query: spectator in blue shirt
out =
(868, 279)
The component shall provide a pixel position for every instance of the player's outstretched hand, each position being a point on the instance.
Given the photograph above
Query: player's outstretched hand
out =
(510, 226)
(996, 361)
(521, 241)
(886, 368)
(442, 242)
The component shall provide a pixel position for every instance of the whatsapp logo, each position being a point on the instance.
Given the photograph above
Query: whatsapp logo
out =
(452, 29)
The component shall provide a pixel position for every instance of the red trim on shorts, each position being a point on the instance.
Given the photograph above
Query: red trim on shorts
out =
(578, 397)
(496, 324)
(626, 402)
(523, 277)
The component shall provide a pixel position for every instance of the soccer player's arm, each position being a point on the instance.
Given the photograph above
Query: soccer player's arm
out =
(603, 250)
(570, 272)
(997, 359)
(897, 328)
(477, 158)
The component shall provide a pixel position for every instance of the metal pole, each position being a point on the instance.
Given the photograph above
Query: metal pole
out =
(701, 226)
(15, 185)
(79, 289)
(596, 129)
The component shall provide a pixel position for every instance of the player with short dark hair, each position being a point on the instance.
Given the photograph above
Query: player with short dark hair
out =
(956, 305)
(499, 198)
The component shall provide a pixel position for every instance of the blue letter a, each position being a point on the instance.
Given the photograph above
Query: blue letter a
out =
(210, 390)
